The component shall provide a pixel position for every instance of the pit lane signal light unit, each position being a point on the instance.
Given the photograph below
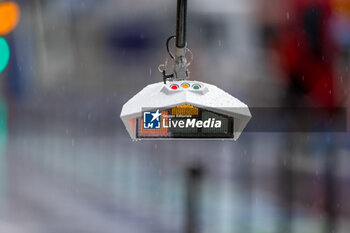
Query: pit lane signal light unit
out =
(181, 109)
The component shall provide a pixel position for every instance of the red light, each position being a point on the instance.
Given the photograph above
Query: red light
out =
(174, 87)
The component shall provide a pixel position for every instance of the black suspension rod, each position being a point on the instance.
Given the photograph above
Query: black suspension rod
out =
(181, 23)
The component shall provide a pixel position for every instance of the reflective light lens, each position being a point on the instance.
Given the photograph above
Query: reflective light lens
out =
(185, 85)
(174, 87)
(196, 87)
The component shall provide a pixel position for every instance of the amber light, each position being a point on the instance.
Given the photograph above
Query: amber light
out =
(9, 17)
(185, 85)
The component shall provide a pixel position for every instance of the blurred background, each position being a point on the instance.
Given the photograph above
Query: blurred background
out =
(67, 164)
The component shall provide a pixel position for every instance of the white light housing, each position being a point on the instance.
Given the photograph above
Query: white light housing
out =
(206, 97)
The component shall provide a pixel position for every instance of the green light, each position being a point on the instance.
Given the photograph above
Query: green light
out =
(196, 87)
(4, 54)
